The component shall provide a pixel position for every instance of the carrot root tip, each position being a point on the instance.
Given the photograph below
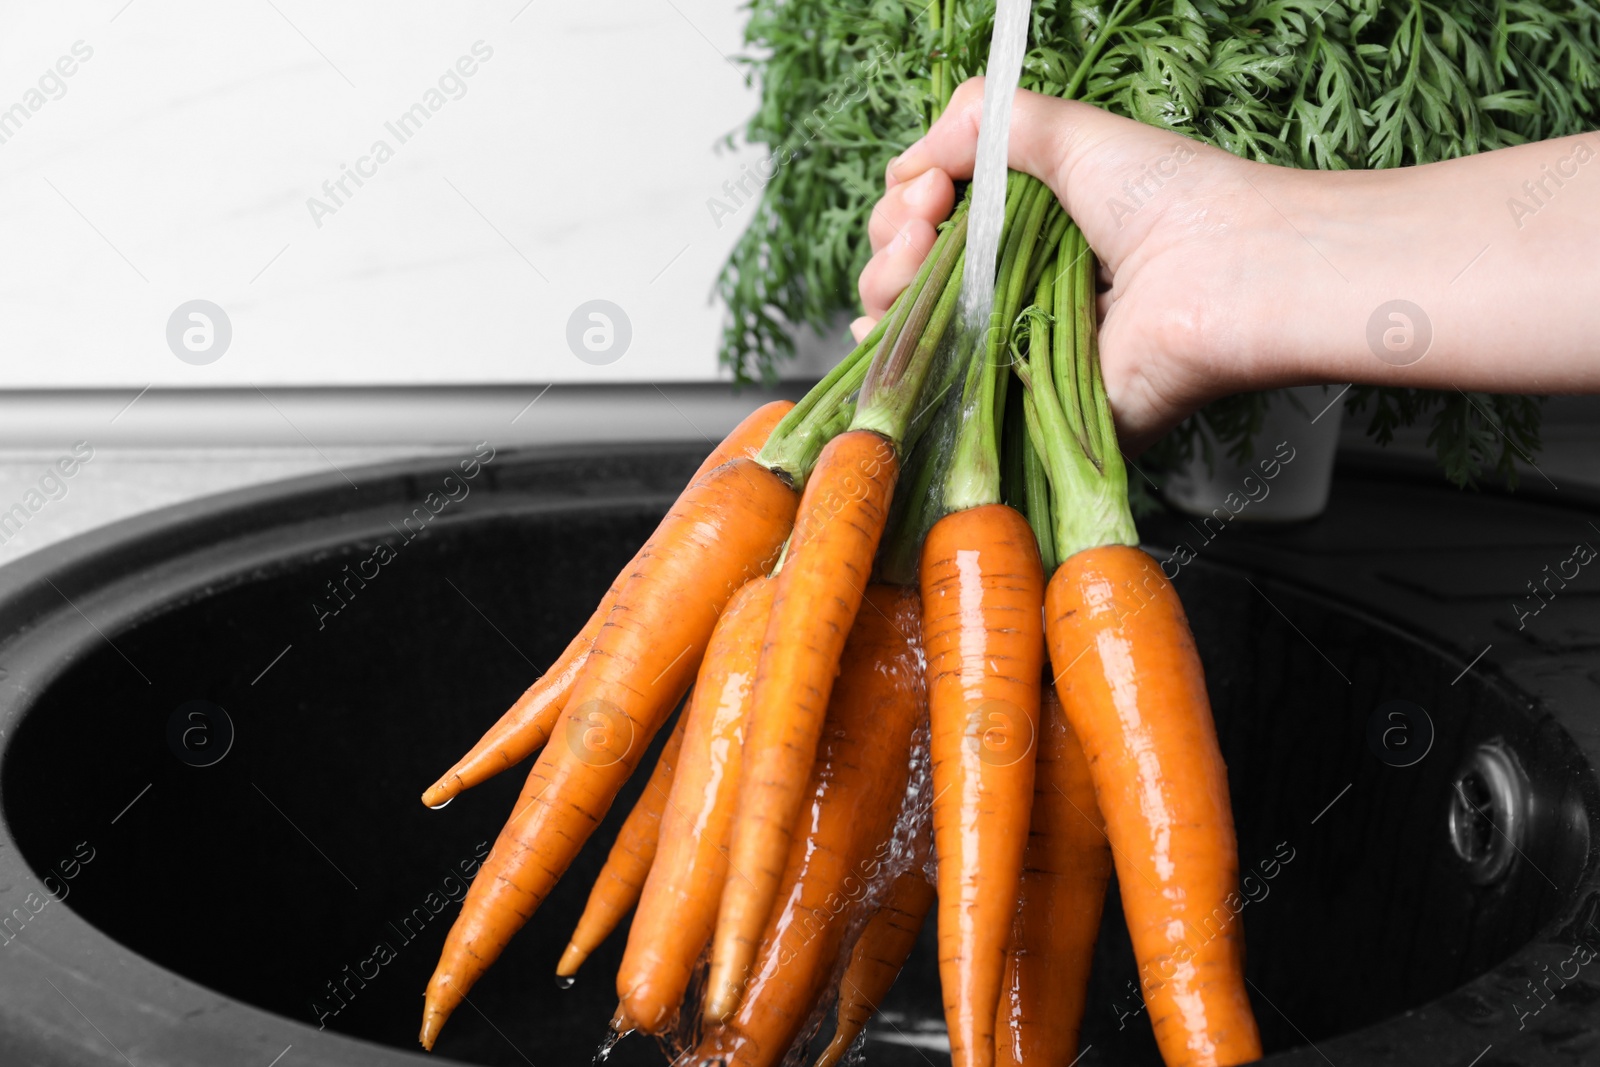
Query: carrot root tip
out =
(431, 1025)
(571, 960)
(441, 793)
(720, 1008)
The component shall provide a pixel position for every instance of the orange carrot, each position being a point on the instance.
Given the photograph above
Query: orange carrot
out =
(1133, 688)
(727, 528)
(875, 962)
(617, 886)
(1063, 891)
(982, 593)
(819, 591)
(526, 726)
(1131, 684)
(679, 906)
(851, 800)
(841, 521)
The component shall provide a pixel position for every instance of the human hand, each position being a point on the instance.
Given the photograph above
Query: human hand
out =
(1222, 275)
(1176, 224)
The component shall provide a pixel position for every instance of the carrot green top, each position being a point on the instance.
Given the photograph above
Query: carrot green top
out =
(1069, 418)
(974, 478)
(887, 369)
(820, 415)
(891, 393)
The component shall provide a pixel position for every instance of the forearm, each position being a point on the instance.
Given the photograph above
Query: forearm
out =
(1497, 254)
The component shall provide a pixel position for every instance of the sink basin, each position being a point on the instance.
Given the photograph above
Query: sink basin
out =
(216, 720)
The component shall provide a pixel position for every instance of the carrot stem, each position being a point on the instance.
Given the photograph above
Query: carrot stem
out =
(946, 349)
(975, 470)
(921, 503)
(1013, 444)
(1069, 418)
(1098, 424)
(1036, 503)
(918, 502)
(927, 305)
(1047, 245)
(1035, 469)
(893, 386)
(928, 350)
(821, 414)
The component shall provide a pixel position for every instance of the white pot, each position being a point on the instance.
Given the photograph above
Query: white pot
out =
(1288, 477)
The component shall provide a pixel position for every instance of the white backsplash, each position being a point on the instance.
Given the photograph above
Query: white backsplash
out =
(186, 154)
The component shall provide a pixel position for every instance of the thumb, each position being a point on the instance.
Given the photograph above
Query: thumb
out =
(1092, 160)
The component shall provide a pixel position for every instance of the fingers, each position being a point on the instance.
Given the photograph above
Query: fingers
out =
(861, 327)
(921, 191)
(902, 229)
(1049, 138)
(930, 197)
(895, 264)
(1042, 130)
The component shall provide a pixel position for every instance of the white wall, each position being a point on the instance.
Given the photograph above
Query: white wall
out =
(178, 162)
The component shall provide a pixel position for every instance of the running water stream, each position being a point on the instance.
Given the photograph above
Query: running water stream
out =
(930, 461)
(987, 214)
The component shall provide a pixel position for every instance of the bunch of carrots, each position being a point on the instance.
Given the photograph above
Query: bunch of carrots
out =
(925, 662)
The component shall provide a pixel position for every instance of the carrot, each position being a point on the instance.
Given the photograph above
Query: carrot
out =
(854, 793)
(818, 592)
(728, 527)
(841, 520)
(617, 886)
(526, 726)
(982, 585)
(982, 589)
(679, 906)
(1131, 685)
(1063, 890)
(1135, 693)
(876, 960)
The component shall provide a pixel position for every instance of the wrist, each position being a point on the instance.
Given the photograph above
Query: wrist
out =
(1337, 263)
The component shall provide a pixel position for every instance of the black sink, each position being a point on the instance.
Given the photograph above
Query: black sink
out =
(217, 718)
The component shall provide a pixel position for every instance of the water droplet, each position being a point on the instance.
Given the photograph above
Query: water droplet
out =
(441, 807)
(603, 1053)
(565, 981)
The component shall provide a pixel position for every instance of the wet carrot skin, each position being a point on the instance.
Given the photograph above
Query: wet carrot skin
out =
(621, 879)
(853, 796)
(1063, 891)
(726, 529)
(982, 590)
(526, 725)
(1134, 690)
(679, 905)
(877, 958)
(837, 529)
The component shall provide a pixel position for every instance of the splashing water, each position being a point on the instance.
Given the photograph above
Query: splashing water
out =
(988, 211)
(607, 1046)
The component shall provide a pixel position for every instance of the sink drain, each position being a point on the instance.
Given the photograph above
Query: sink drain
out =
(1487, 811)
